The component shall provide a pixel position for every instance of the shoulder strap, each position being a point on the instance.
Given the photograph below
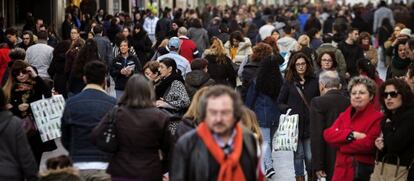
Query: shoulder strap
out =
(302, 96)
(113, 114)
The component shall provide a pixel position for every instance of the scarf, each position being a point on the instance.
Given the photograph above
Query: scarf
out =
(165, 83)
(230, 168)
(399, 63)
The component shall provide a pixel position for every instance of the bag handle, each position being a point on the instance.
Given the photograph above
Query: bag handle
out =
(383, 163)
(288, 112)
(113, 115)
(302, 96)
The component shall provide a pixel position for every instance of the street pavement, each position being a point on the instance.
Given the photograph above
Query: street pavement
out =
(282, 160)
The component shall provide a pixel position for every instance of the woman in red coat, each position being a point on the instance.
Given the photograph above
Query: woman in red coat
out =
(354, 133)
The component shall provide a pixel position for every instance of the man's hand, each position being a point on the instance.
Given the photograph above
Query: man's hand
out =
(320, 174)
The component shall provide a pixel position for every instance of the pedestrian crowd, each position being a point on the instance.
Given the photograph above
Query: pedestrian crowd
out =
(197, 94)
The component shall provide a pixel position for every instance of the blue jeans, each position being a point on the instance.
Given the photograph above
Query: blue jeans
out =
(267, 151)
(303, 153)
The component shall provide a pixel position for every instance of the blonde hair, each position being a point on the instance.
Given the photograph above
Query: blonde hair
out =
(193, 111)
(217, 47)
(249, 120)
(303, 41)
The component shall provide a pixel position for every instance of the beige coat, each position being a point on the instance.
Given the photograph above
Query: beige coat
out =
(244, 50)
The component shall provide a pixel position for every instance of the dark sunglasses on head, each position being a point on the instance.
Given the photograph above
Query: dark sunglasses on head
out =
(17, 72)
(393, 94)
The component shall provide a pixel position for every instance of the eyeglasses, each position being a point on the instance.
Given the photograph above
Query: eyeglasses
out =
(326, 60)
(17, 72)
(393, 94)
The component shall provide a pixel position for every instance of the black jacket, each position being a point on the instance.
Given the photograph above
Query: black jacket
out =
(120, 63)
(289, 97)
(16, 158)
(195, 80)
(57, 72)
(142, 46)
(221, 73)
(398, 135)
(323, 113)
(351, 53)
(249, 73)
(192, 160)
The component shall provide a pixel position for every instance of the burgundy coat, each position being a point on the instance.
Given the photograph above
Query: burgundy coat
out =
(366, 121)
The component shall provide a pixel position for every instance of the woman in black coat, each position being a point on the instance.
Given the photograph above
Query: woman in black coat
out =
(142, 133)
(23, 87)
(397, 137)
(299, 77)
(142, 44)
(57, 67)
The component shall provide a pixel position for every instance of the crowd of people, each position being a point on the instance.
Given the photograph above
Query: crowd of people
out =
(197, 94)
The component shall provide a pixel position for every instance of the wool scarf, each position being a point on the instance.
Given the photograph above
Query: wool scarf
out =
(230, 168)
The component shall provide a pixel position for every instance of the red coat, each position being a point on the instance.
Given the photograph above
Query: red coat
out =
(188, 49)
(366, 121)
(4, 61)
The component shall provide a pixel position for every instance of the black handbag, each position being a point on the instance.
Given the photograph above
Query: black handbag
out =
(106, 138)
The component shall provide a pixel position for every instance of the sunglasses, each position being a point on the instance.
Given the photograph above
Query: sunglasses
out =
(393, 94)
(17, 72)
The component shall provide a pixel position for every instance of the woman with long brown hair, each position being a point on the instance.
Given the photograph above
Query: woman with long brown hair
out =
(23, 87)
(220, 65)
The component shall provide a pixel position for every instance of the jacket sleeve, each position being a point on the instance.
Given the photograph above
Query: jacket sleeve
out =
(341, 62)
(166, 143)
(283, 98)
(335, 135)
(365, 145)
(42, 87)
(25, 156)
(231, 73)
(396, 141)
(317, 125)
(138, 66)
(65, 129)
(52, 70)
(109, 53)
(180, 160)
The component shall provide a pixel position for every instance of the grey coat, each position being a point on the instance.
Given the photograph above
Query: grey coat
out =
(16, 159)
(200, 38)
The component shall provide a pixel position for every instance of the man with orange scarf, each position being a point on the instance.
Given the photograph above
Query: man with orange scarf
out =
(219, 148)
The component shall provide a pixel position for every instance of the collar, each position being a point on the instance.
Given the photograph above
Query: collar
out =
(183, 37)
(95, 87)
(220, 141)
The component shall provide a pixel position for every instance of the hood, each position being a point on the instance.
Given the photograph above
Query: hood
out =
(286, 44)
(327, 47)
(196, 78)
(242, 45)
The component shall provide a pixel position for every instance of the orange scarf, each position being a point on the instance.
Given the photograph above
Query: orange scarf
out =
(230, 168)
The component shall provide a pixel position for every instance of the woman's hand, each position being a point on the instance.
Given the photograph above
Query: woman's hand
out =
(23, 107)
(31, 71)
(379, 143)
(358, 135)
(161, 103)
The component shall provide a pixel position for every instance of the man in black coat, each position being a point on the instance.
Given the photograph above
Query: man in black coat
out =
(323, 112)
(351, 51)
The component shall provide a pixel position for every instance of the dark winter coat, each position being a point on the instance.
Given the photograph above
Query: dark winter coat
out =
(398, 138)
(119, 63)
(195, 80)
(323, 112)
(223, 74)
(193, 161)
(289, 97)
(142, 132)
(248, 74)
(143, 46)
(352, 53)
(16, 159)
(57, 72)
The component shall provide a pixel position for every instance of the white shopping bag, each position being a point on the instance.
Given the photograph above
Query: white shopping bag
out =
(47, 114)
(286, 136)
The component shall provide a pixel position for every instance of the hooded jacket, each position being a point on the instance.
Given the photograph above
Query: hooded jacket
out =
(195, 80)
